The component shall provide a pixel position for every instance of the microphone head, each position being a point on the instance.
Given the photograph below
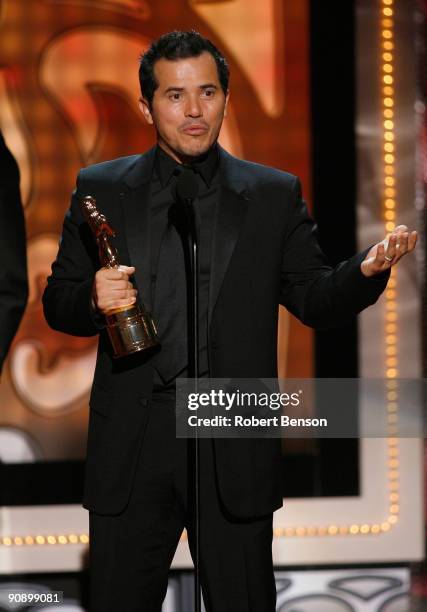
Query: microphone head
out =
(187, 186)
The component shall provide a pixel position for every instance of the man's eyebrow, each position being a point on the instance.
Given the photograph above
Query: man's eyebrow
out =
(204, 86)
(174, 89)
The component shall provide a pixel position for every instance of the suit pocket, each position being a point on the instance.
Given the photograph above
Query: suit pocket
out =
(100, 400)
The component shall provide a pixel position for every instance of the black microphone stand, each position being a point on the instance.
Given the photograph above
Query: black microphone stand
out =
(193, 367)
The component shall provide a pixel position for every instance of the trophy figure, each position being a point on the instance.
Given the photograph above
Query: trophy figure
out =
(130, 328)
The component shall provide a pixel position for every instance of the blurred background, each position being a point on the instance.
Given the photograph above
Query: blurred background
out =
(334, 93)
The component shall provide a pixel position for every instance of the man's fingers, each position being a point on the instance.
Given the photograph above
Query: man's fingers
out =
(128, 269)
(390, 252)
(412, 240)
(113, 288)
(402, 244)
(116, 303)
(122, 272)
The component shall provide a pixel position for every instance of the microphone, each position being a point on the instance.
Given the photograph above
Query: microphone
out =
(186, 187)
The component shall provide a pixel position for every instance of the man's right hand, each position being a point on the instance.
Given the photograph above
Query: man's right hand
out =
(112, 288)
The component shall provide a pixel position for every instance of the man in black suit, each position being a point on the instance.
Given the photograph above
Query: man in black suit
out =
(258, 249)
(13, 254)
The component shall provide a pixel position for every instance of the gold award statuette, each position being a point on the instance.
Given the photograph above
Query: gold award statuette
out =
(131, 328)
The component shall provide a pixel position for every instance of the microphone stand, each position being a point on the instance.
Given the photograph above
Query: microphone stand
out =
(193, 371)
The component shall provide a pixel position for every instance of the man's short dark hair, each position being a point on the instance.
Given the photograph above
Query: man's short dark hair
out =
(178, 45)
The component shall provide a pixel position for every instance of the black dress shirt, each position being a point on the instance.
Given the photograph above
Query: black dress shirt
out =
(165, 172)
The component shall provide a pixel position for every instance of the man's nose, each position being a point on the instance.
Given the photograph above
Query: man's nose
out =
(194, 107)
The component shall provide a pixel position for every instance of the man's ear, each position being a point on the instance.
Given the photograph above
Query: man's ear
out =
(144, 107)
(227, 95)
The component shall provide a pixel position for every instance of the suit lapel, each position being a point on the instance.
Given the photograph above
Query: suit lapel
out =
(135, 196)
(231, 211)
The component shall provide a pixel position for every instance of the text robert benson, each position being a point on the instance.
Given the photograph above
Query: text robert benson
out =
(254, 421)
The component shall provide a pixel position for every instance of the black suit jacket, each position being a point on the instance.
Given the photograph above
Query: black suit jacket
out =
(13, 255)
(265, 253)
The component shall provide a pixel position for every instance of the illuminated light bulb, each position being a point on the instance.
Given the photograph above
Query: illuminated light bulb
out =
(73, 539)
(393, 519)
(389, 226)
(354, 529)
(388, 68)
(388, 79)
(51, 539)
(390, 215)
(387, 34)
(332, 530)
(18, 541)
(84, 539)
(387, 56)
(389, 158)
(364, 528)
(7, 541)
(40, 539)
(394, 509)
(392, 373)
(375, 528)
(29, 540)
(385, 526)
(391, 384)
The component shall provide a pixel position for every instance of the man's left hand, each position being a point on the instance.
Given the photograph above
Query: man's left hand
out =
(387, 253)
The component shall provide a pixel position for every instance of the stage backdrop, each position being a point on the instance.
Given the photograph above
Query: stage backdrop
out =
(68, 98)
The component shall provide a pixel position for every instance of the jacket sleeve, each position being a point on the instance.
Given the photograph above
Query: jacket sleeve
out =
(316, 293)
(13, 271)
(67, 296)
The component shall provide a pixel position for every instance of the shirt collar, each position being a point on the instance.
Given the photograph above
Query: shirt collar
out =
(206, 165)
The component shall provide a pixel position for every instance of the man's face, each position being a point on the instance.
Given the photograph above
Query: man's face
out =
(188, 106)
